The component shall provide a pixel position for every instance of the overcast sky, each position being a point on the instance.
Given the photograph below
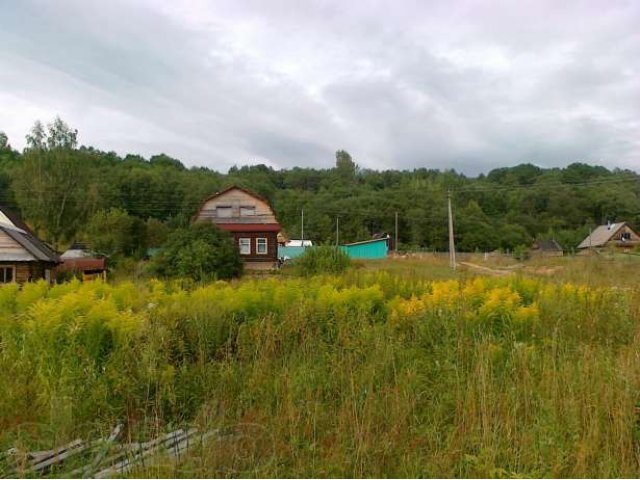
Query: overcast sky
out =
(469, 85)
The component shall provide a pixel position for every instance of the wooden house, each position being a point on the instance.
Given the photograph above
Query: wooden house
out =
(251, 221)
(79, 261)
(23, 257)
(546, 248)
(614, 235)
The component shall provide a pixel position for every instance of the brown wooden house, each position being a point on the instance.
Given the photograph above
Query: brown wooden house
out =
(251, 221)
(613, 235)
(23, 257)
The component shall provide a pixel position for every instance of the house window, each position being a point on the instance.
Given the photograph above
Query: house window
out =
(626, 236)
(245, 246)
(261, 246)
(248, 211)
(224, 212)
(6, 274)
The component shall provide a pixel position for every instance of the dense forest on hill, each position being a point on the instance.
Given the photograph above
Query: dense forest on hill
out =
(123, 205)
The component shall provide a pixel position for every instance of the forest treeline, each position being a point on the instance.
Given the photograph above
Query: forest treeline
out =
(124, 205)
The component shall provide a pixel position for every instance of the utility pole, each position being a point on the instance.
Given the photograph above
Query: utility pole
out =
(337, 230)
(302, 228)
(452, 245)
(395, 243)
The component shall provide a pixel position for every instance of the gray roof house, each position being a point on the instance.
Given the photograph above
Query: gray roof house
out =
(618, 234)
(23, 256)
(546, 248)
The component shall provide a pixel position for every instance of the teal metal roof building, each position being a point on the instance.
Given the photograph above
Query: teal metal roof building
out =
(288, 253)
(368, 250)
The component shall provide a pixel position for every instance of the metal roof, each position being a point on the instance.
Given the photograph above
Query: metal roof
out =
(601, 235)
(374, 240)
(548, 245)
(22, 235)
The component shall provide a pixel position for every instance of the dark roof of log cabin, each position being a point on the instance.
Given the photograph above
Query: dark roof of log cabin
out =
(549, 245)
(15, 219)
(23, 235)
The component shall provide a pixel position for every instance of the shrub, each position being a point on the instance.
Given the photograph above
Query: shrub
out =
(200, 251)
(318, 260)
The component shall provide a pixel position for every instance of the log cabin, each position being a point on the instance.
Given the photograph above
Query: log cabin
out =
(23, 257)
(619, 236)
(250, 220)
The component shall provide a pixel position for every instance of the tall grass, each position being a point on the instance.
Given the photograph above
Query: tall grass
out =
(322, 260)
(365, 374)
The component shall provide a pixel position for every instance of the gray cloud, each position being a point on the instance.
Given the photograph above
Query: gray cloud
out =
(466, 84)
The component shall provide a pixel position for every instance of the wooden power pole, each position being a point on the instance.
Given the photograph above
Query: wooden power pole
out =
(395, 242)
(452, 245)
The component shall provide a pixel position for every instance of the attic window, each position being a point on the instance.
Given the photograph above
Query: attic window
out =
(625, 236)
(224, 212)
(247, 211)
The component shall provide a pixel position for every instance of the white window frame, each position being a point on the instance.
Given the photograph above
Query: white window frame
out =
(13, 273)
(242, 243)
(259, 244)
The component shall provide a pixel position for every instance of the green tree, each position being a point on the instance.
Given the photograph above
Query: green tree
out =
(201, 252)
(4, 142)
(53, 184)
(346, 169)
(114, 233)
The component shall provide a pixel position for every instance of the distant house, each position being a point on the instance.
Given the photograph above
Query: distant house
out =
(23, 257)
(251, 221)
(79, 260)
(619, 235)
(546, 248)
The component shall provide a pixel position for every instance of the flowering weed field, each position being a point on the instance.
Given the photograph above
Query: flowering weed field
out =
(365, 374)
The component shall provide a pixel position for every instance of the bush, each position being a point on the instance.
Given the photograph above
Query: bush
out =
(201, 252)
(318, 260)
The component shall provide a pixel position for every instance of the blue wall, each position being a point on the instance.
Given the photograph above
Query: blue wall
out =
(290, 252)
(367, 251)
(372, 250)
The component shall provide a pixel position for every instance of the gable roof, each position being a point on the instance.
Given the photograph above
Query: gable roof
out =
(265, 216)
(548, 245)
(363, 242)
(235, 187)
(601, 235)
(23, 236)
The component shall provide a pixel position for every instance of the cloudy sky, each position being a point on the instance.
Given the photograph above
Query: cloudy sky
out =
(461, 84)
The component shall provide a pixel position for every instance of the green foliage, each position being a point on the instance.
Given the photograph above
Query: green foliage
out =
(361, 375)
(53, 190)
(201, 252)
(113, 233)
(58, 187)
(322, 260)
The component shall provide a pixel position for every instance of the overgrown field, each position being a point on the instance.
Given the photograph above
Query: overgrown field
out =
(365, 374)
